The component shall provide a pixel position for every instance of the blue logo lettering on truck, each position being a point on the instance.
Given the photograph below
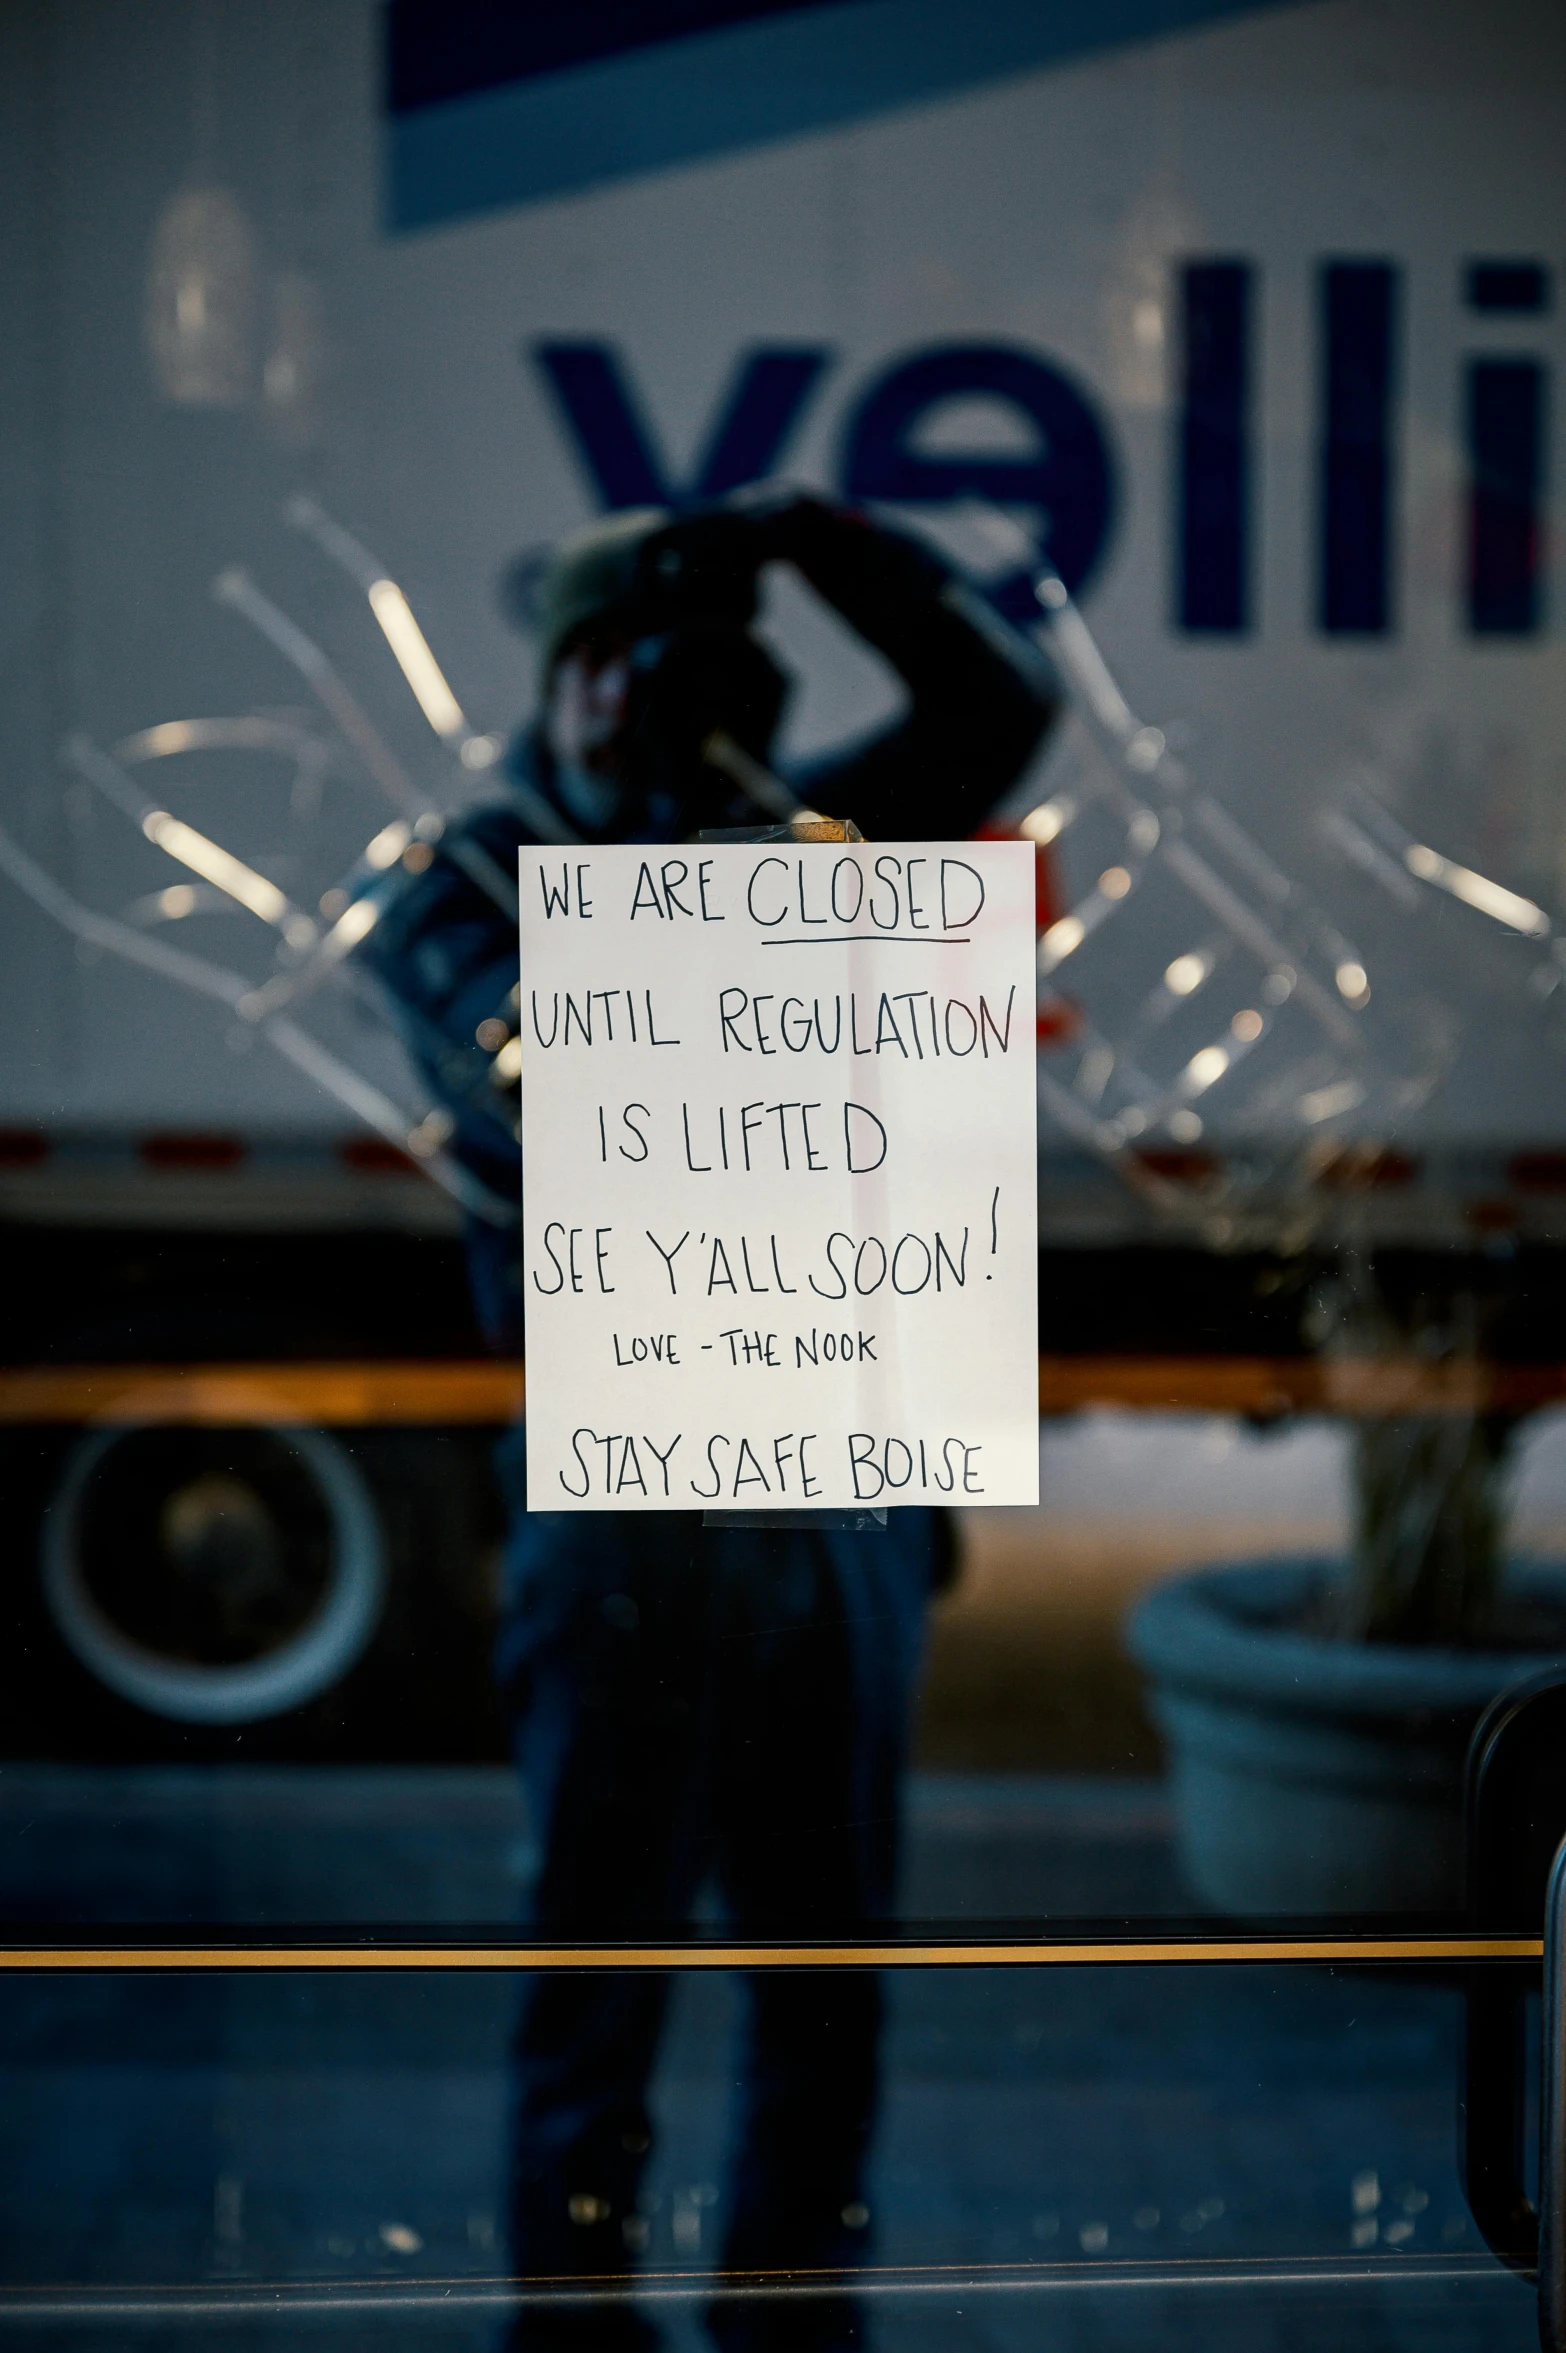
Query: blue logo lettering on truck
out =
(1067, 480)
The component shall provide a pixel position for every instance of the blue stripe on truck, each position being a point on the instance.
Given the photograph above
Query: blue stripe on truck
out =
(496, 113)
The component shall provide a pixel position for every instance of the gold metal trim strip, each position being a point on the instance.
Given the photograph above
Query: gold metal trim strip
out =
(980, 1955)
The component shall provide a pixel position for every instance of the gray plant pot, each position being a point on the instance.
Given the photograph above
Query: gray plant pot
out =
(1310, 1775)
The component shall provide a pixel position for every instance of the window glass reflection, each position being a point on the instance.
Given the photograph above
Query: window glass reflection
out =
(1039, 1784)
(1084, 2151)
(1109, 455)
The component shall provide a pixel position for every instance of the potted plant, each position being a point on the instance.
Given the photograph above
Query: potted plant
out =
(1318, 1711)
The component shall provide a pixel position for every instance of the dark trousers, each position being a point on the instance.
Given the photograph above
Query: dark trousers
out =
(689, 1705)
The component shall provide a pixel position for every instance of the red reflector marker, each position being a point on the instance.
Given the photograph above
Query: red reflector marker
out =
(373, 1156)
(1179, 1168)
(1530, 1172)
(186, 1149)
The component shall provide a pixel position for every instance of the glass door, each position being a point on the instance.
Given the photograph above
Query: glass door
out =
(638, 1708)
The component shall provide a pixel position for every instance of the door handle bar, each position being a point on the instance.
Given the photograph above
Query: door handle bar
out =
(1552, 2118)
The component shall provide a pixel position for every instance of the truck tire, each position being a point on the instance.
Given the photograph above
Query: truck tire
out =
(216, 1576)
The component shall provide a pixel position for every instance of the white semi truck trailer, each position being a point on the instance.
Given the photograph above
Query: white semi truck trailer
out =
(1218, 343)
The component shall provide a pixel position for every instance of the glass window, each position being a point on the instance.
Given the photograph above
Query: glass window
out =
(782, 1169)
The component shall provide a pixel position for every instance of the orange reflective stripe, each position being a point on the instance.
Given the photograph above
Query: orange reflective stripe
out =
(481, 1390)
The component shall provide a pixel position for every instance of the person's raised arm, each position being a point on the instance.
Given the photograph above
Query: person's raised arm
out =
(980, 699)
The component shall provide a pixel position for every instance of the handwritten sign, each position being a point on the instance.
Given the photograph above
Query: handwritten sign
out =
(779, 1176)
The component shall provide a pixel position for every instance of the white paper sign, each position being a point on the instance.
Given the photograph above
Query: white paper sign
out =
(779, 1144)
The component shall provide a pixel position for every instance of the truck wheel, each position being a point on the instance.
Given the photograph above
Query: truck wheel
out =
(213, 1576)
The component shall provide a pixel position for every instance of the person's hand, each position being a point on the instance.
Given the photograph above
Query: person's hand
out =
(703, 566)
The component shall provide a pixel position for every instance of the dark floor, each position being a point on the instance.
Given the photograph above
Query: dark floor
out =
(1083, 2159)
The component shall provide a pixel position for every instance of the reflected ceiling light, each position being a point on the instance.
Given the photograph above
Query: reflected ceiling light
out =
(410, 647)
(1329, 1102)
(417, 664)
(159, 743)
(178, 840)
(1042, 824)
(350, 928)
(1060, 941)
(1185, 974)
(250, 733)
(201, 301)
(206, 858)
(1247, 1026)
(1114, 882)
(388, 845)
(176, 902)
(216, 865)
(1353, 982)
(1204, 1070)
(1477, 890)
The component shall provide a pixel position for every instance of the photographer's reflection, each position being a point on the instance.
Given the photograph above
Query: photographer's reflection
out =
(690, 1702)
